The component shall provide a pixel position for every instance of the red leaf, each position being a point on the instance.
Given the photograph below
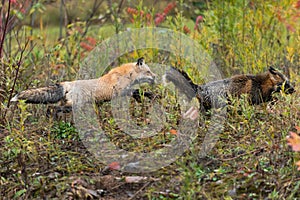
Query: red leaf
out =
(92, 41)
(297, 5)
(173, 132)
(294, 141)
(186, 30)
(132, 11)
(86, 46)
(169, 7)
(197, 23)
(114, 166)
(159, 18)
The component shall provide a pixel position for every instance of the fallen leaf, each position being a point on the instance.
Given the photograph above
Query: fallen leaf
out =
(114, 166)
(135, 179)
(294, 141)
(173, 131)
(107, 182)
(84, 193)
(192, 113)
(79, 181)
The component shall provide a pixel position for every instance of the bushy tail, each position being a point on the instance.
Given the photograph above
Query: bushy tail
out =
(182, 81)
(44, 95)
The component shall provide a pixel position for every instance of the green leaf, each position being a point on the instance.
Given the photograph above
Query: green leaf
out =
(31, 11)
(19, 15)
(19, 193)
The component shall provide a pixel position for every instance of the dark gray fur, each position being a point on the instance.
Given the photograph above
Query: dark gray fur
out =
(216, 93)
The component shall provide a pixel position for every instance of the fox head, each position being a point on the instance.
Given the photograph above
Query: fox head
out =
(143, 73)
(280, 81)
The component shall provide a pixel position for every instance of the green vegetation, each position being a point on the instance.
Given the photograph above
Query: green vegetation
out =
(42, 156)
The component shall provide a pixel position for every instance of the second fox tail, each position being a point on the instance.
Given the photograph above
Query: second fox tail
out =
(182, 81)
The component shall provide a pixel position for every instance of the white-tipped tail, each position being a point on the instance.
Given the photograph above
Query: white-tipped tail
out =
(45, 95)
(15, 98)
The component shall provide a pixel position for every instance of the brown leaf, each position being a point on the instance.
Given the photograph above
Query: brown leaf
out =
(85, 193)
(79, 181)
(294, 141)
(107, 182)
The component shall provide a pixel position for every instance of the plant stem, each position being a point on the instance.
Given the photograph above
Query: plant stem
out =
(4, 30)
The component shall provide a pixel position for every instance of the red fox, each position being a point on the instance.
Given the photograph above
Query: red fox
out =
(115, 81)
(258, 87)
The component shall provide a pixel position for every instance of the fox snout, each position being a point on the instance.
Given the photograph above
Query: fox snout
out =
(290, 90)
(153, 78)
(149, 78)
(286, 87)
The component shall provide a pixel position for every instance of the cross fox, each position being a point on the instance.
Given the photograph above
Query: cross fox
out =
(116, 81)
(259, 88)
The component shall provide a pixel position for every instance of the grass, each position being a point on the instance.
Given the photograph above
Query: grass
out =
(251, 159)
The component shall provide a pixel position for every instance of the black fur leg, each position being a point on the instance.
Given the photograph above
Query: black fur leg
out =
(137, 95)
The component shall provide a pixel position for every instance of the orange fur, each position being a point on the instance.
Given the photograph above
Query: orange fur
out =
(103, 88)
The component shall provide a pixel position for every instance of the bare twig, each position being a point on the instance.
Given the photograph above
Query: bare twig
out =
(26, 6)
(88, 23)
(120, 6)
(60, 19)
(17, 71)
(5, 29)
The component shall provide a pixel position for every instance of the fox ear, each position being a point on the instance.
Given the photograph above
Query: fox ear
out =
(273, 74)
(272, 70)
(140, 61)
